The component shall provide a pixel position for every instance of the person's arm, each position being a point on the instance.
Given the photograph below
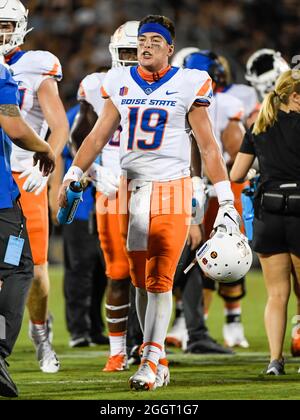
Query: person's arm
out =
(19, 131)
(92, 145)
(232, 138)
(55, 115)
(215, 167)
(25, 137)
(55, 183)
(83, 124)
(195, 234)
(196, 162)
(201, 125)
(241, 166)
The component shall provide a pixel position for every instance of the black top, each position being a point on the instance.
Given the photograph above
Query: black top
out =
(277, 149)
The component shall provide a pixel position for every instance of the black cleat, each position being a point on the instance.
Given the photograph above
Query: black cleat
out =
(99, 339)
(207, 345)
(80, 342)
(7, 386)
(134, 357)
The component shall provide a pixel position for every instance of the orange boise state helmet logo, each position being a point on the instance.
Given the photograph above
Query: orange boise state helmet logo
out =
(123, 91)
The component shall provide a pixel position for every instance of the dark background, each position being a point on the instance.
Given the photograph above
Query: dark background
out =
(78, 31)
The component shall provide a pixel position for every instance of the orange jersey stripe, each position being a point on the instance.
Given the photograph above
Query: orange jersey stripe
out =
(9, 56)
(204, 88)
(52, 72)
(104, 93)
(238, 116)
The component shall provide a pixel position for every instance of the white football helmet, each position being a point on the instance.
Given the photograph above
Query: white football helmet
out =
(180, 56)
(263, 69)
(124, 37)
(225, 258)
(13, 11)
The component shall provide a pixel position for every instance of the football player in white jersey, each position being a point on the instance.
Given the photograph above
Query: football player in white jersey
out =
(226, 114)
(152, 102)
(262, 70)
(123, 49)
(36, 73)
(246, 94)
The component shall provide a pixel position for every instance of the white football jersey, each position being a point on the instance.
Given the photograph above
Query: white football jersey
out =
(90, 91)
(247, 95)
(30, 69)
(224, 108)
(155, 143)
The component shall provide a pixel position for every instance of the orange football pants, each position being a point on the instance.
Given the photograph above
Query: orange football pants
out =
(35, 209)
(170, 213)
(116, 261)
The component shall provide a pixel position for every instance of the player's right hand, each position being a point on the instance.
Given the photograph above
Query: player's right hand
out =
(46, 161)
(62, 196)
(104, 180)
(228, 217)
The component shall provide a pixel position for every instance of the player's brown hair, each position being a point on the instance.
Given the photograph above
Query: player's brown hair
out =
(162, 20)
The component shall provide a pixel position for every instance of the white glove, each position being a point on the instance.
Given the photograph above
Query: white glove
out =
(199, 199)
(104, 180)
(35, 181)
(228, 217)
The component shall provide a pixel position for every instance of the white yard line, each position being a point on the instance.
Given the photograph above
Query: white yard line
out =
(88, 381)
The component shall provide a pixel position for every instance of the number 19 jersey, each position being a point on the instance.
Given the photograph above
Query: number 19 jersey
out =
(155, 144)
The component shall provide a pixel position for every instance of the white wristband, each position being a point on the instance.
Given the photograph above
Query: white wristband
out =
(223, 190)
(74, 173)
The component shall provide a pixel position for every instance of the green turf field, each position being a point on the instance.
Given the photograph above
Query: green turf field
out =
(192, 377)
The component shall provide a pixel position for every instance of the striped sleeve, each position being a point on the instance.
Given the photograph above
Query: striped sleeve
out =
(204, 93)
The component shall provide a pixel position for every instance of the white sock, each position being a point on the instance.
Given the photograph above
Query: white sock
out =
(233, 315)
(158, 315)
(141, 301)
(38, 331)
(234, 311)
(163, 353)
(117, 343)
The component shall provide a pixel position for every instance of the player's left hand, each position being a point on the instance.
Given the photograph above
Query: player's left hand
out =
(35, 181)
(228, 217)
(104, 180)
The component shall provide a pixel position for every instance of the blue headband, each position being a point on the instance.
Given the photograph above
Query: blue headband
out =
(158, 28)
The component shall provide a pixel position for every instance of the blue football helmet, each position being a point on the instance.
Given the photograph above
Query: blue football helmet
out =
(208, 61)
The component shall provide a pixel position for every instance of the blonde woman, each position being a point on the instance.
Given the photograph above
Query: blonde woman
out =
(274, 140)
